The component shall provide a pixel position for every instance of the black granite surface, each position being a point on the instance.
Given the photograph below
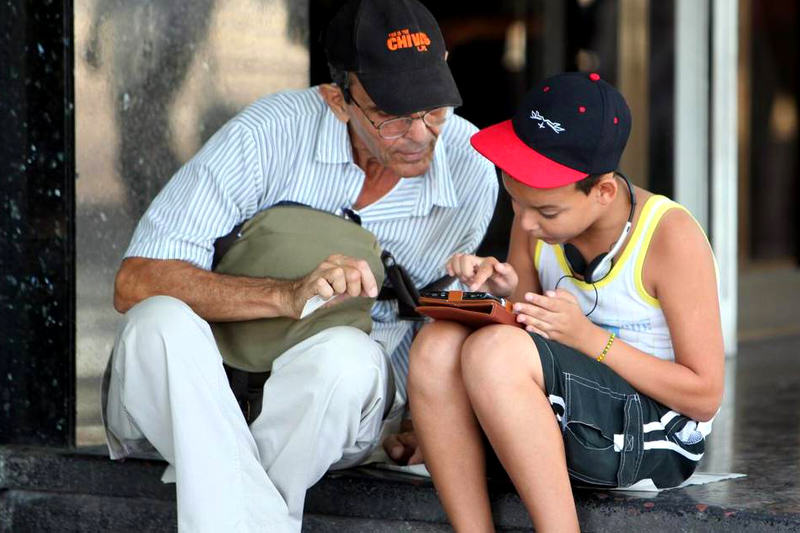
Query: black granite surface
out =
(37, 278)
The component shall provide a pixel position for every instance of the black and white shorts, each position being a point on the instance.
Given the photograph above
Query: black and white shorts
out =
(613, 435)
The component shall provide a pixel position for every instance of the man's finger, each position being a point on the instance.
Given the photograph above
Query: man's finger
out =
(322, 288)
(353, 278)
(408, 438)
(336, 279)
(416, 458)
(367, 284)
(336, 259)
(393, 447)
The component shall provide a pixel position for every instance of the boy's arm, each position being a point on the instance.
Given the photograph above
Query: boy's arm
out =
(521, 250)
(679, 271)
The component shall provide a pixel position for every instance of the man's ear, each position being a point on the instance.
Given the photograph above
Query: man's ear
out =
(446, 53)
(334, 97)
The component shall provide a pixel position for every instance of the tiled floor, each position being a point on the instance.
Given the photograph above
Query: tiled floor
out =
(757, 432)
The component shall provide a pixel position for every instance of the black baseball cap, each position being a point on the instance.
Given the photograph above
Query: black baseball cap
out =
(567, 127)
(397, 51)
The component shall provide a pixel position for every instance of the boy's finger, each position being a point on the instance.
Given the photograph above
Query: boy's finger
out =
(565, 295)
(502, 268)
(550, 304)
(529, 309)
(541, 333)
(531, 319)
(467, 266)
(451, 265)
(484, 272)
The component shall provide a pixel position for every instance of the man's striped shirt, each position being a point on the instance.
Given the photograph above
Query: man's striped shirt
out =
(290, 147)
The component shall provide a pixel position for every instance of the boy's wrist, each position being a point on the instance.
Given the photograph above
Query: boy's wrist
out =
(594, 341)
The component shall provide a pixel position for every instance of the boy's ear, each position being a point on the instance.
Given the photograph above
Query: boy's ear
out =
(334, 97)
(606, 189)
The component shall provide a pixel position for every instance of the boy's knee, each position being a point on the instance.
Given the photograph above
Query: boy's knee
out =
(496, 353)
(435, 351)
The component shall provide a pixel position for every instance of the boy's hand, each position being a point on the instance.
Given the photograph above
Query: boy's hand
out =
(485, 274)
(403, 448)
(554, 315)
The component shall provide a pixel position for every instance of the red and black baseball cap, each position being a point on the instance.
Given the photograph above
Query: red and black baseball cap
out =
(567, 127)
(397, 51)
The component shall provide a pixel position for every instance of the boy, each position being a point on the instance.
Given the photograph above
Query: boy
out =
(616, 290)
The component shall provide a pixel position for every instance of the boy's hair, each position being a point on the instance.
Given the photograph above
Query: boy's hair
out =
(585, 185)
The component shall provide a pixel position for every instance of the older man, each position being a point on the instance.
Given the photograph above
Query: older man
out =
(382, 142)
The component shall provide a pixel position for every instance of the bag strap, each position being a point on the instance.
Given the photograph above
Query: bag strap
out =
(248, 389)
(400, 287)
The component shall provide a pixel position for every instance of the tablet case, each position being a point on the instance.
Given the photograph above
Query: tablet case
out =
(473, 313)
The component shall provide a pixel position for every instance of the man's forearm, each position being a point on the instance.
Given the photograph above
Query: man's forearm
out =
(214, 297)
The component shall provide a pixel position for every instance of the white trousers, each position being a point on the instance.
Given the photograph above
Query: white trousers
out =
(323, 407)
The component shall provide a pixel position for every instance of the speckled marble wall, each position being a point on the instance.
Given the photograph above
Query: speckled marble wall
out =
(153, 81)
(36, 219)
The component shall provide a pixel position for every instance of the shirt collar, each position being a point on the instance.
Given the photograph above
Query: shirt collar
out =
(333, 144)
(437, 188)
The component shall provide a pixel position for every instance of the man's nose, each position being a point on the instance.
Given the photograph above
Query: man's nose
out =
(419, 131)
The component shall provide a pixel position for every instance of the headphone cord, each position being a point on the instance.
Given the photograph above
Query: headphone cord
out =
(596, 295)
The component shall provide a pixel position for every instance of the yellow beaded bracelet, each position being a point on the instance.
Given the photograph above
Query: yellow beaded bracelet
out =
(608, 347)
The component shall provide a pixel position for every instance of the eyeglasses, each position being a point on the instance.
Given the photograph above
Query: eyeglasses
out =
(394, 128)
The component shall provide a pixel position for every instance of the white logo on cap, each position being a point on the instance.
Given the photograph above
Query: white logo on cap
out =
(555, 126)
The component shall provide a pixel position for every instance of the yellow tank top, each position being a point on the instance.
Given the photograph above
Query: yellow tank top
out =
(623, 305)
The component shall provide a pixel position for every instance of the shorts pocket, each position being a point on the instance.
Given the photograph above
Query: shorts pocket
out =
(602, 433)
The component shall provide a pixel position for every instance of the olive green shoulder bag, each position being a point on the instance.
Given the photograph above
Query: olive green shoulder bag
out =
(288, 242)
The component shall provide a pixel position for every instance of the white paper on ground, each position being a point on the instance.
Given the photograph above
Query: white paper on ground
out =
(169, 475)
(645, 485)
(314, 303)
(415, 470)
(698, 478)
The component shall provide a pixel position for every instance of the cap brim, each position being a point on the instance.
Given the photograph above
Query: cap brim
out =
(407, 92)
(500, 145)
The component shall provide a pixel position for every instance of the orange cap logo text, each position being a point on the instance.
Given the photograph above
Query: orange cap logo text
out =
(405, 39)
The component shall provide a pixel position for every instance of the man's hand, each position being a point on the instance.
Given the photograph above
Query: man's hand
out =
(483, 273)
(338, 275)
(403, 448)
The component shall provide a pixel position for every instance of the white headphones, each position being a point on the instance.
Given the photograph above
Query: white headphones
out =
(600, 266)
